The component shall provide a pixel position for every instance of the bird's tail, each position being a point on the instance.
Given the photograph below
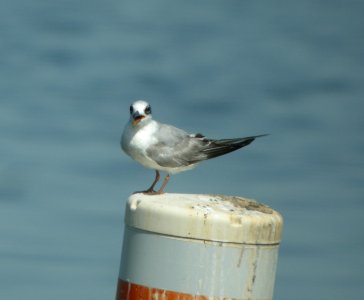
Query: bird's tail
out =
(219, 147)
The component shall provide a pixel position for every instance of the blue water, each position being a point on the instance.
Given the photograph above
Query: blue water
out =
(68, 73)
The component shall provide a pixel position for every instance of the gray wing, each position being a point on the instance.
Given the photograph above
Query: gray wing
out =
(176, 148)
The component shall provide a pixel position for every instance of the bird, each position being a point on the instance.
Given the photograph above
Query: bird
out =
(166, 148)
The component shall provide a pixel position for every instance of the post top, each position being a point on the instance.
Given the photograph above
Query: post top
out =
(205, 217)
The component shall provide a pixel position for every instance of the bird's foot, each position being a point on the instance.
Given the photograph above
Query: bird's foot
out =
(148, 192)
(152, 192)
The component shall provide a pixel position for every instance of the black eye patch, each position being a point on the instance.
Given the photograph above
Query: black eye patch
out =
(148, 110)
(131, 109)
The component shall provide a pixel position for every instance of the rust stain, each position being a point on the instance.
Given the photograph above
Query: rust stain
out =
(131, 291)
(240, 257)
(235, 219)
(239, 202)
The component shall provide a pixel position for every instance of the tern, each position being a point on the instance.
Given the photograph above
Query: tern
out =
(169, 149)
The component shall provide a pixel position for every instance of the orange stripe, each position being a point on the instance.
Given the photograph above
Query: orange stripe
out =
(131, 291)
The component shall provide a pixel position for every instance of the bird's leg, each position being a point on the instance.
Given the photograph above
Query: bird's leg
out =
(156, 179)
(165, 181)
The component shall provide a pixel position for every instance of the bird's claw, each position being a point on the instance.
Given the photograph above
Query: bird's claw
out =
(148, 192)
(152, 192)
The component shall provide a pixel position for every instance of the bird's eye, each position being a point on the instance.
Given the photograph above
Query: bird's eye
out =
(131, 109)
(148, 110)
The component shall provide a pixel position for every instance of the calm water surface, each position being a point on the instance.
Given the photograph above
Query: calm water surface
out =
(68, 73)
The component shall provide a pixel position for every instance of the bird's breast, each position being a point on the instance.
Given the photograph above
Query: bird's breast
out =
(135, 142)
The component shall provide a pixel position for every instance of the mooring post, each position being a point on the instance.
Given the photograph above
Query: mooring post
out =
(187, 246)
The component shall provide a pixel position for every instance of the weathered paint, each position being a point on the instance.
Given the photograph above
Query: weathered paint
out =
(132, 291)
(205, 217)
(198, 267)
(180, 246)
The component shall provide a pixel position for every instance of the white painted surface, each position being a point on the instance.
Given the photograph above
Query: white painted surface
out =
(209, 245)
(205, 217)
(195, 267)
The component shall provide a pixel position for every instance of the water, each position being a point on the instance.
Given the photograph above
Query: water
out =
(68, 72)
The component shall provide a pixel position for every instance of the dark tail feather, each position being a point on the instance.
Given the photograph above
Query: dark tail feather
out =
(216, 148)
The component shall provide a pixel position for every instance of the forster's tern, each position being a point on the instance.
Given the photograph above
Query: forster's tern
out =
(166, 148)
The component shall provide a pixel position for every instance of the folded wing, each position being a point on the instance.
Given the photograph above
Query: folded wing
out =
(175, 148)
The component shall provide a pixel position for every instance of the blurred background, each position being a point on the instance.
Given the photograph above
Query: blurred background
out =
(68, 73)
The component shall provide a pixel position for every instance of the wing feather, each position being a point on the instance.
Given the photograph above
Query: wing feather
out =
(175, 148)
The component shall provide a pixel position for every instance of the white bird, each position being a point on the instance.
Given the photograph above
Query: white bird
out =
(166, 148)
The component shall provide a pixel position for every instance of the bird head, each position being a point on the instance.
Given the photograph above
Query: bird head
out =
(140, 111)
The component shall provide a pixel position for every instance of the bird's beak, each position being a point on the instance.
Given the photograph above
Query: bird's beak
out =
(137, 118)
